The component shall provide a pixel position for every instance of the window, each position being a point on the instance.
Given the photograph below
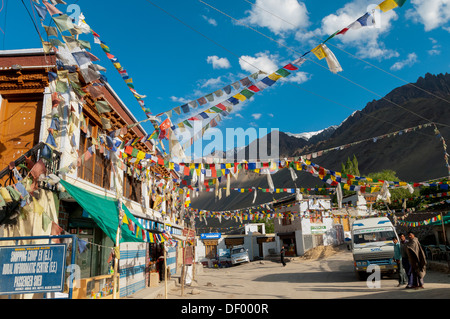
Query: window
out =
(375, 236)
(286, 219)
(97, 169)
(132, 188)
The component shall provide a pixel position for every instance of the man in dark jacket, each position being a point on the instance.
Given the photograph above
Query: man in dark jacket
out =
(417, 259)
(283, 253)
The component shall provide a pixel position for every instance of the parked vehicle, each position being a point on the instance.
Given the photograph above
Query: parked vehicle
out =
(372, 245)
(239, 255)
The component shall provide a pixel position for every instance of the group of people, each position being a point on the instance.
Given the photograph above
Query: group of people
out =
(411, 261)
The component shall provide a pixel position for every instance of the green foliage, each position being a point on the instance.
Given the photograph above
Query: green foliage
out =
(350, 167)
(396, 193)
(270, 228)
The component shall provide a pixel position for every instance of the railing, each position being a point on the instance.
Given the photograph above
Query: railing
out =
(7, 176)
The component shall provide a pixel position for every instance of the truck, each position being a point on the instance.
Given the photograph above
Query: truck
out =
(239, 255)
(372, 244)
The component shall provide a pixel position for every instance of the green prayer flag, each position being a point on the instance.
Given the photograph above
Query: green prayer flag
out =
(61, 86)
(84, 44)
(283, 72)
(63, 22)
(247, 93)
(103, 106)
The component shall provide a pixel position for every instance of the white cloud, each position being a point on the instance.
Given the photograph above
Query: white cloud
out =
(218, 63)
(271, 115)
(211, 82)
(365, 40)
(211, 21)
(279, 16)
(410, 60)
(261, 61)
(178, 99)
(256, 116)
(299, 77)
(431, 13)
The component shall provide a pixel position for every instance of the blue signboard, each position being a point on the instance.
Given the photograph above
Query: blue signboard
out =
(210, 236)
(32, 269)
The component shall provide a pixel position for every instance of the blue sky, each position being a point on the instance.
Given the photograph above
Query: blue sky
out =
(173, 61)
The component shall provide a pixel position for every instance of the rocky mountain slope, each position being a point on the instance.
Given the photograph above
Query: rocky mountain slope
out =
(416, 156)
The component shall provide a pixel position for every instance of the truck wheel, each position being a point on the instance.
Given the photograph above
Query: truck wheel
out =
(361, 275)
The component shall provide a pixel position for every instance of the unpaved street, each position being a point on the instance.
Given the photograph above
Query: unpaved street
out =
(326, 278)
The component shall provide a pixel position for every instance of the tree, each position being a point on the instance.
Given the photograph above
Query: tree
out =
(350, 167)
(396, 193)
(269, 225)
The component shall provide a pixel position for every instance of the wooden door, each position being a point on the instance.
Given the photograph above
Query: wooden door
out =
(19, 128)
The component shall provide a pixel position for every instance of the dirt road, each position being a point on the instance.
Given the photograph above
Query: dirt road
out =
(323, 278)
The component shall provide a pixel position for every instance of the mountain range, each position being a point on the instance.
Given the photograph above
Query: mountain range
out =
(415, 156)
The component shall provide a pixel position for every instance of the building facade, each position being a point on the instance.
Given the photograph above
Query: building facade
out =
(61, 121)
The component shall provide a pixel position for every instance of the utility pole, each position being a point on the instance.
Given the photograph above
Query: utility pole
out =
(445, 240)
(183, 271)
(165, 271)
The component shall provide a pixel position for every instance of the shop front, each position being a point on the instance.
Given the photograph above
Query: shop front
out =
(288, 241)
(94, 219)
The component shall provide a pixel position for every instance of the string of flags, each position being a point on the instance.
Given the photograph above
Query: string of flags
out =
(211, 97)
(437, 218)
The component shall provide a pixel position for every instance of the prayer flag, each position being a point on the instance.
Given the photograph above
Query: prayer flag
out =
(51, 8)
(41, 10)
(333, 63)
(319, 52)
(290, 67)
(283, 72)
(103, 106)
(63, 22)
(390, 4)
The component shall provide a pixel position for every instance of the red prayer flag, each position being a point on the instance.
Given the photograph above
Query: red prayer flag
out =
(290, 67)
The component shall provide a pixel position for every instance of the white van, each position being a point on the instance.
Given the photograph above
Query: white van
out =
(372, 245)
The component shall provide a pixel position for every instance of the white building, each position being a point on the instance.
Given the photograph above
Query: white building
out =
(306, 223)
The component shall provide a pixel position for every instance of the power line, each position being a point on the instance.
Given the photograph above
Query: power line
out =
(234, 54)
(31, 18)
(354, 56)
(291, 49)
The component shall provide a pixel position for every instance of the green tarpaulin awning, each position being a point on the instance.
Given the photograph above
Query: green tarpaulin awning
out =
(104, 211)
(439, 222)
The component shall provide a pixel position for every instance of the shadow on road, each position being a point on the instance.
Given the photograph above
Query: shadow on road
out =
(305, 277)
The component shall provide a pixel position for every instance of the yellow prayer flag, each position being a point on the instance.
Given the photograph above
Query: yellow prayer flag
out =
(274, 76)
(125, 219)
(140, 155)
(319, 52)
(387, 5)
(38, 209)
(240, 97)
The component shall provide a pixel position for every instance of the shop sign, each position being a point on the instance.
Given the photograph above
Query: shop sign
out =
(210, 236)
(32, 269)
(318, 229)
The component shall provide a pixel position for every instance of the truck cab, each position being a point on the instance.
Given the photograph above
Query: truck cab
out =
(372, 245)
(238, 255)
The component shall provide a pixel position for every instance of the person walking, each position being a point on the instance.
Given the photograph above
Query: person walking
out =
(283, 253)
(405, 260)
(417, 259)
(402, 279)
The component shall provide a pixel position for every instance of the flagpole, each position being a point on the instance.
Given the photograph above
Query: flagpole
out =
(165, 271)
